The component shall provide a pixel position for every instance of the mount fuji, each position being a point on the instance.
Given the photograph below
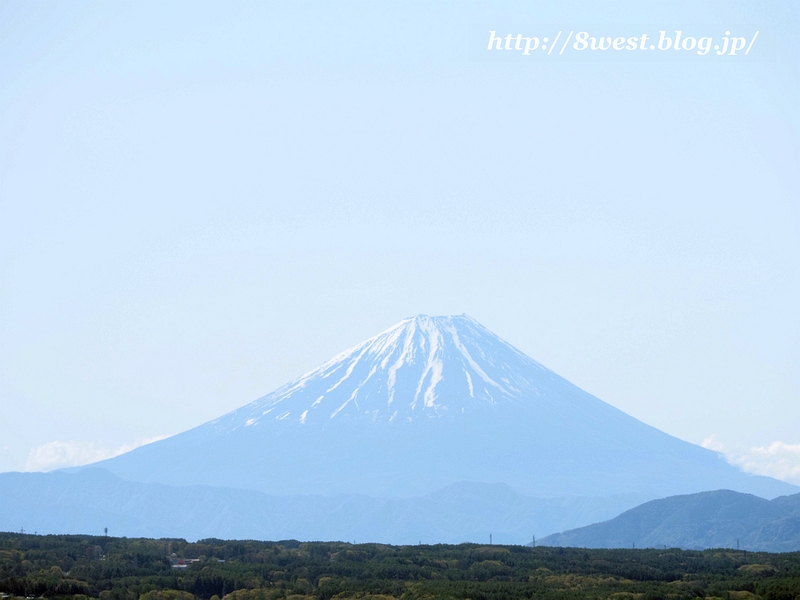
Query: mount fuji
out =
(434, 401)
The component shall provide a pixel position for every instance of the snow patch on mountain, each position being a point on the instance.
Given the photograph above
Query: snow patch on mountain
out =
(421, 367)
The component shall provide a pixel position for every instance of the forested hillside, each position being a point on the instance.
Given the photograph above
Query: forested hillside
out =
(719, 519)
(147, 569)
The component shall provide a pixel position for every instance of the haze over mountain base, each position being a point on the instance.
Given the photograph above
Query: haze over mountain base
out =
(92, 499)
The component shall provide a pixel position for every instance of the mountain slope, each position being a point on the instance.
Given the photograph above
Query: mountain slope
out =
(429, 402)
(719, 519)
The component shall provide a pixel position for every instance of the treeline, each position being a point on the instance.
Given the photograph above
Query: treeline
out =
(82, 567)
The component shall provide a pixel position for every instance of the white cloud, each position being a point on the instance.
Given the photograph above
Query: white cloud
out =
(779, 460)
(712, 443)
(57, 455)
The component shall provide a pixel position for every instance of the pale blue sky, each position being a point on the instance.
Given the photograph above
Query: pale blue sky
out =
(200, 201)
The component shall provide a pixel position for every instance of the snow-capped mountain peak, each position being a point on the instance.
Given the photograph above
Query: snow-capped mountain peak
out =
(421, 367)
(428, 402)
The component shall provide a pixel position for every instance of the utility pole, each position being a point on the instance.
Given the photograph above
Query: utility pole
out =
(533, 543)
(490, 539)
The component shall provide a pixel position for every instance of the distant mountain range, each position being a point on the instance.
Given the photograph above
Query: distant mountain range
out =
(92, 499)
(434, 430)
(718, 519)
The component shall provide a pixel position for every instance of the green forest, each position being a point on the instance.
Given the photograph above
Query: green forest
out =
(82, 567)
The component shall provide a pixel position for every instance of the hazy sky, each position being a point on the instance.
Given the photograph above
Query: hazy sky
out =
(201, 201)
